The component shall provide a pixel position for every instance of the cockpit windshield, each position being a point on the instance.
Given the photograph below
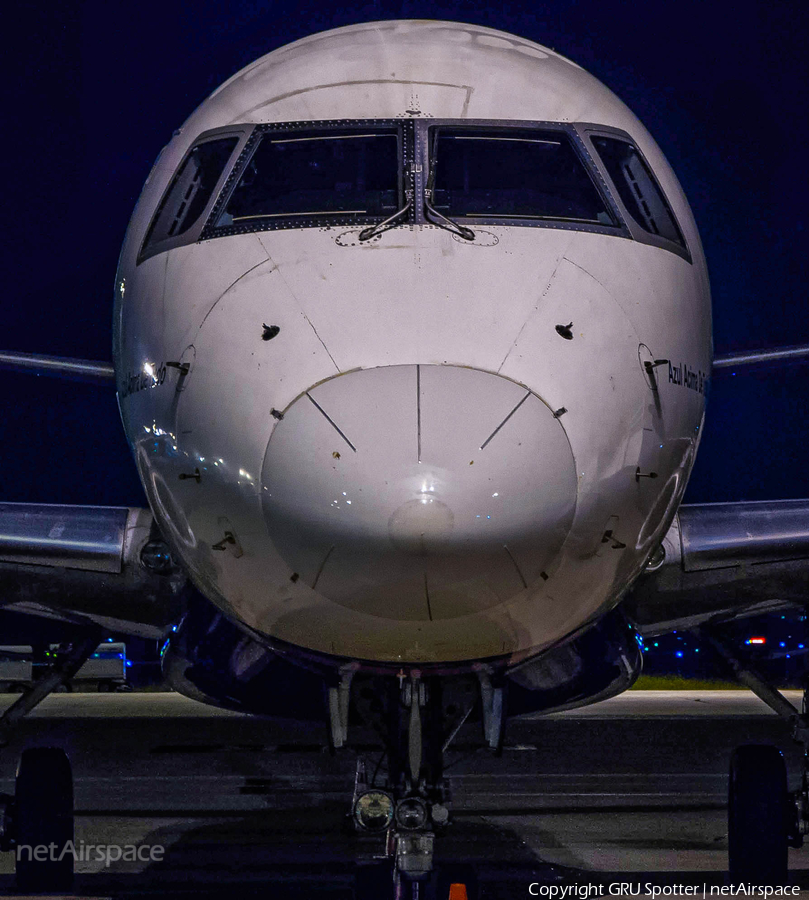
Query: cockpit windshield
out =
(513, 173)
(374, 175)
(347, 172)
(637, 187)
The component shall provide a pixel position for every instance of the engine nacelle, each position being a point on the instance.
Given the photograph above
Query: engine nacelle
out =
(209, 659)
(600, 663)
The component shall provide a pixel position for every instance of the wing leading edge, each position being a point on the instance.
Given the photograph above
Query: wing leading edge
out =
(58, 367)
(761, 358)
(92, 565)
(108, 566)
(724, 561)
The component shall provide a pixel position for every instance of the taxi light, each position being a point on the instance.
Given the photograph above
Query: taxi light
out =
(373, 810)
(411, 813)
(457, 892)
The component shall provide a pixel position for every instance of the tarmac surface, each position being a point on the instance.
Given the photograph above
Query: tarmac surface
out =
(629, 790)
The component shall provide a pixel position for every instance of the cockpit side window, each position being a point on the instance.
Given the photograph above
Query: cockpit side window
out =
(637, 188)
(189, 192)
(307, 176)
(513, 173)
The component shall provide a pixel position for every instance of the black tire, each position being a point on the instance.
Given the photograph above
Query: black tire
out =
(757, 816)
(44, 816)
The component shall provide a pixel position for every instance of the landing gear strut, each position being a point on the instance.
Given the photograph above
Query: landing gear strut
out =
(418, 717)
(37, 821)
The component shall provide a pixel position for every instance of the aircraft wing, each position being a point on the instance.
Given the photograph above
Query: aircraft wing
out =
(724, 561)
(90, 565)
(66, 368)
(778, 356)
(108, 566)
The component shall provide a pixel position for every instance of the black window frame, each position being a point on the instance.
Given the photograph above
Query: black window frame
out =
(638, 232)
(193, 233)
(619, 229)
(413, 171)
(404, 134)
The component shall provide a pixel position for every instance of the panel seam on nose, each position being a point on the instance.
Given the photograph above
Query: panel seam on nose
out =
(322, 566)
(519, 570)
(418, 409)
(483, 445)
(331, 421)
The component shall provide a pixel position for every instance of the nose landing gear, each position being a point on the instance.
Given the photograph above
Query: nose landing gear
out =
(412, 805)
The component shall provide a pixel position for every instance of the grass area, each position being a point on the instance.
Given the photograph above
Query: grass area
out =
(678, 683)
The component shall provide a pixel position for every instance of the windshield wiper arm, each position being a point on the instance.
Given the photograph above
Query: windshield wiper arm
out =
(430, 212)
(442, 221)
(367, 233)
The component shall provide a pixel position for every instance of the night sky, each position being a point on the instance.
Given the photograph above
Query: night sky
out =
(96, 90)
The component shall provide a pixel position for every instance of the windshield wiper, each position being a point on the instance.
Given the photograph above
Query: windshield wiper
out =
(367, 233)
(430, 212)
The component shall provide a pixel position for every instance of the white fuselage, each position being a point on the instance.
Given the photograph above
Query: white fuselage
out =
(418, 467)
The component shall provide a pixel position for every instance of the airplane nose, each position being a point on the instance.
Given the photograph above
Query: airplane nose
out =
(418, 492)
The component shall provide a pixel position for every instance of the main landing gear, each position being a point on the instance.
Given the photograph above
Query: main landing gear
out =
(36, 822)
(758, 814)
(409, 803)
(764, 818)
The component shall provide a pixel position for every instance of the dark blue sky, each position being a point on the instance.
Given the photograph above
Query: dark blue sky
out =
(96, 89)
